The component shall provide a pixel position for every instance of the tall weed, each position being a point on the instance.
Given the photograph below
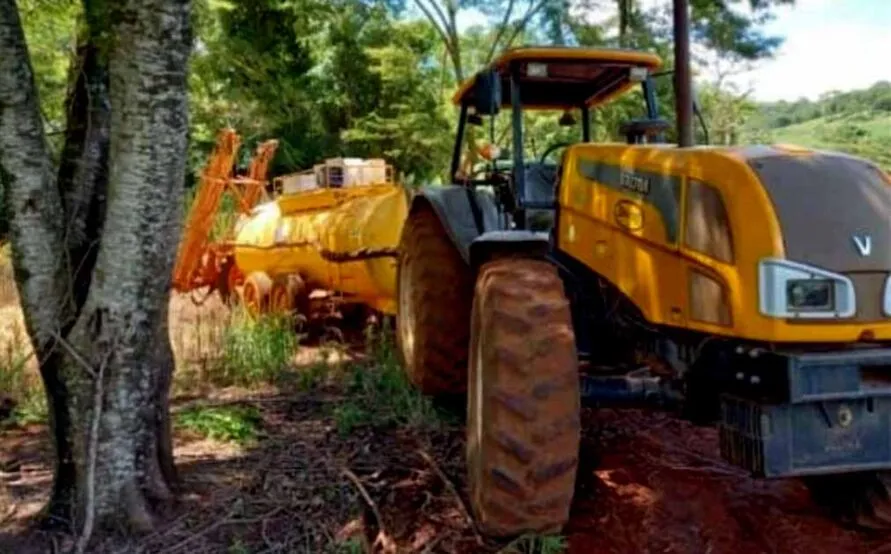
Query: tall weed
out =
(256, 349)
(18, 383)
(380, 394)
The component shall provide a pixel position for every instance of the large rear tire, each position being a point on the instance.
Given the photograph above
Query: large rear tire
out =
(435, 292)
(523, 428)
(857, 499)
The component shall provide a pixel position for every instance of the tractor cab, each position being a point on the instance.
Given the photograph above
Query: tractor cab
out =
(569, 83)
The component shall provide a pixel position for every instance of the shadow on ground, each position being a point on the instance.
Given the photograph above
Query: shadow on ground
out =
(647, 483)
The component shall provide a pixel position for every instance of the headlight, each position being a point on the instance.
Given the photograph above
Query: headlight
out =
(810, 295)
(792, 290)
(886, 300)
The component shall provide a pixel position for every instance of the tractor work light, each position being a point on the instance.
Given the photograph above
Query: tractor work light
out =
(638, 74)
(798, 291)
(537, 69)
(886, 300)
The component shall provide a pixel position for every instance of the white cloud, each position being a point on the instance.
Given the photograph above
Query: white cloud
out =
(836, 57)
(829, 45)
(469, 18)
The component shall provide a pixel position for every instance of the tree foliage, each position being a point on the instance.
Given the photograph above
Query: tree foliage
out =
(876, 98)
(372, 78)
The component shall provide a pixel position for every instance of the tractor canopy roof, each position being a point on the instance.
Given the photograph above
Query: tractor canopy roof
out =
(555, 78)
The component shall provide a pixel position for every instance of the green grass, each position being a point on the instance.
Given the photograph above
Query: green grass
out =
(19, 384)
(238, 424)
(864, 134)
(379, 394)
(31, 409)
(238, 547)
(8, 293)
(352, 546)
(256, 350)
(313, 376)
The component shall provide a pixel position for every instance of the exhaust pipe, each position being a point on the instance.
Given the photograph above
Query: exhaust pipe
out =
(683, 83)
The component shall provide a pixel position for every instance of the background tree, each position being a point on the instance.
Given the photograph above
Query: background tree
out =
(508, 19)
(93, 241)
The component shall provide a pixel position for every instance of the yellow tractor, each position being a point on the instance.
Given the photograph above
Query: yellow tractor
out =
(742, 286)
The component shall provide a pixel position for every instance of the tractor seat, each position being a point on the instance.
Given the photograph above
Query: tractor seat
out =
(541, 180)
(643, 131)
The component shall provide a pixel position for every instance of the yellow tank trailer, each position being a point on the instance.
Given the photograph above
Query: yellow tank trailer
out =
(334, 228)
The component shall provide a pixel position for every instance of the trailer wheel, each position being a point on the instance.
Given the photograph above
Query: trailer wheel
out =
(857, 499)
(287, 295)
(255, 293)
(523, 427)
(434, 290)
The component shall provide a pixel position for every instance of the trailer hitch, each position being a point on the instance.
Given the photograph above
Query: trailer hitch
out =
(637, 388)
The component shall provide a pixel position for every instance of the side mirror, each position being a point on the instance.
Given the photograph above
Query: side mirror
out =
(487, 93)
(567, 120)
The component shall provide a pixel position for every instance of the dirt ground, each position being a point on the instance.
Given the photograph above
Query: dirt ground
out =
(648, 483)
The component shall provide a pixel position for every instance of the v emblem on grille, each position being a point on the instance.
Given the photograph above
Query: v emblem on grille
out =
(863, 244)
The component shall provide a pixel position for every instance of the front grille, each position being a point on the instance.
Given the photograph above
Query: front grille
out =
(870, 290)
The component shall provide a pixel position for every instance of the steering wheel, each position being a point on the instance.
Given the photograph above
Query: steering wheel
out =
(552, 148)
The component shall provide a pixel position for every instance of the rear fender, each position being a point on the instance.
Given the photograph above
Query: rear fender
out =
(462, 219)
(495, 244)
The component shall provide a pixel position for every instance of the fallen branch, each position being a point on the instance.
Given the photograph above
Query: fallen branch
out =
(382, 537)
(371, 504)
(434, 543)
(228, 520)
(449, 485)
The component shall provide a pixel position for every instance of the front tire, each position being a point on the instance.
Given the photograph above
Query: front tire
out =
(523, 428)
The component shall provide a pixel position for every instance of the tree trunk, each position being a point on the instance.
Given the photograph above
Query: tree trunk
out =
(36, 228)
(94, 249)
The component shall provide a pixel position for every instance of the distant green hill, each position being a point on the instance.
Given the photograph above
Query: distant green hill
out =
(863, 134)
(857, 122)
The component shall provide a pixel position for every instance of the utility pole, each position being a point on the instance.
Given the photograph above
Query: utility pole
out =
(683, 84)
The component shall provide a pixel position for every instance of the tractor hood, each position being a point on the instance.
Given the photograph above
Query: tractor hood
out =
(834, 211)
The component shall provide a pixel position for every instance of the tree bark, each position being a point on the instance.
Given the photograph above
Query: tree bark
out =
(94, 248)
(123, 320)
(83, 171)
(36, 228)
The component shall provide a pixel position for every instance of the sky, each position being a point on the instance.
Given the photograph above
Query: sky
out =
(829, 45)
